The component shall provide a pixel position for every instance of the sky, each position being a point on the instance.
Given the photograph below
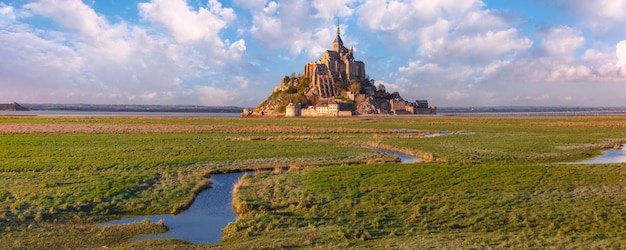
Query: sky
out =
(454, 53)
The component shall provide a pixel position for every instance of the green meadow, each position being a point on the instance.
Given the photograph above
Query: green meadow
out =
(497, 187)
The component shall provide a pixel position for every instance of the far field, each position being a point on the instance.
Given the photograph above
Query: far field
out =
(497, 187)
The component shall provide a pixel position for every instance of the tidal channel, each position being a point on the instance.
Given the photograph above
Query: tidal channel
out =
(405, 159)
(211, 211)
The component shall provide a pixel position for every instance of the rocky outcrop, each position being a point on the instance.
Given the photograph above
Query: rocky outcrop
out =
(12, 107)
(373, 105)
(336, 78)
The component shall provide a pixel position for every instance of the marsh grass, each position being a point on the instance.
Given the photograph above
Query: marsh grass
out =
(73, 236)
(494, 188)
(487, 206)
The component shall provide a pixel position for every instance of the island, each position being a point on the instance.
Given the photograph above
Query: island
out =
(335, 85)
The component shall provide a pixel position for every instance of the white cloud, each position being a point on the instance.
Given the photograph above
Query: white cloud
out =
(185, 24)
(386, 15)
(267, 25)
(447, 32)
(459, 45)
(620, 51)
(397, 15)
(593, 67)
(6, 14)
(30, 63)
(213, 96)
(74, 15)
(242, 81)
(238, 47)
(600, 15)
(478, 48)
(562, 41)
(90, 60)
(471, 56)
(327, 9)
(291, 25)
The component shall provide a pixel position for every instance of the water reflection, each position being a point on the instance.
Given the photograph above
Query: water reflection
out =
(406, 159)
(441, 133)
(608, 156)
(211, 211)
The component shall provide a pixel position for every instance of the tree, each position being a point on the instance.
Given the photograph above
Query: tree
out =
(355, 87)
(339, 87)
(303, 84)
(381, 88)
(291, 90)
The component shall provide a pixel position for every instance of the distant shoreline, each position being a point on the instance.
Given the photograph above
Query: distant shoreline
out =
(234, 111)
(69, 113)
(543, 109)
(72, 113)
(132, 108)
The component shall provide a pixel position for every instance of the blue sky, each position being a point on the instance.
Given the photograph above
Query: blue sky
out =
(451, 52)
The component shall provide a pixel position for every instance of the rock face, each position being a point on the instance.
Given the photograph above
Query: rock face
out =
(373, 105)
(336, 78)
(12, 107)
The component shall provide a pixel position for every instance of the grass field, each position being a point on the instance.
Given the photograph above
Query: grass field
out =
(496, 187)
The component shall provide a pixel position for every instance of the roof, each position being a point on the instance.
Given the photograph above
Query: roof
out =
(338, 39)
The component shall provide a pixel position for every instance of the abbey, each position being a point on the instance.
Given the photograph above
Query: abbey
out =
(335, 85)
(335, 66)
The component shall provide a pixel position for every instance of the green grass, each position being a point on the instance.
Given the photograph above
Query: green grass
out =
(103, 174)
(382, 206)
(42, 235)
(495, 188)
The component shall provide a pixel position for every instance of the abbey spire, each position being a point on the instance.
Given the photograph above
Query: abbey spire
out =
(338, 43)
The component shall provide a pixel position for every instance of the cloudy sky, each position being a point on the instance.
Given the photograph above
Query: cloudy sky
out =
(233, 52)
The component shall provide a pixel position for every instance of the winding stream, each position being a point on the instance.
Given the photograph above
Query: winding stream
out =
(211, 211)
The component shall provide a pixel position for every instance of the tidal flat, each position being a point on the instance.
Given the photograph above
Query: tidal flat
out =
(496, 187)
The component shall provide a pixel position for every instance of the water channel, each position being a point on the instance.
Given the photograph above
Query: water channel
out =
(608, 156)
(211, 211)
(405, 159)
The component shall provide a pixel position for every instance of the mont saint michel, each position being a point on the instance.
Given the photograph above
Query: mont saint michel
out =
(335, 85)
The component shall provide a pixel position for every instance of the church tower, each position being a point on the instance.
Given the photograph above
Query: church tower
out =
(337, 65)
(338, 43)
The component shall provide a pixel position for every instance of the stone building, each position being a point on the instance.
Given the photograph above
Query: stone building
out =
(337, 66)
(397, 105)
(400, 106)
(293, 110)
(331, 109)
